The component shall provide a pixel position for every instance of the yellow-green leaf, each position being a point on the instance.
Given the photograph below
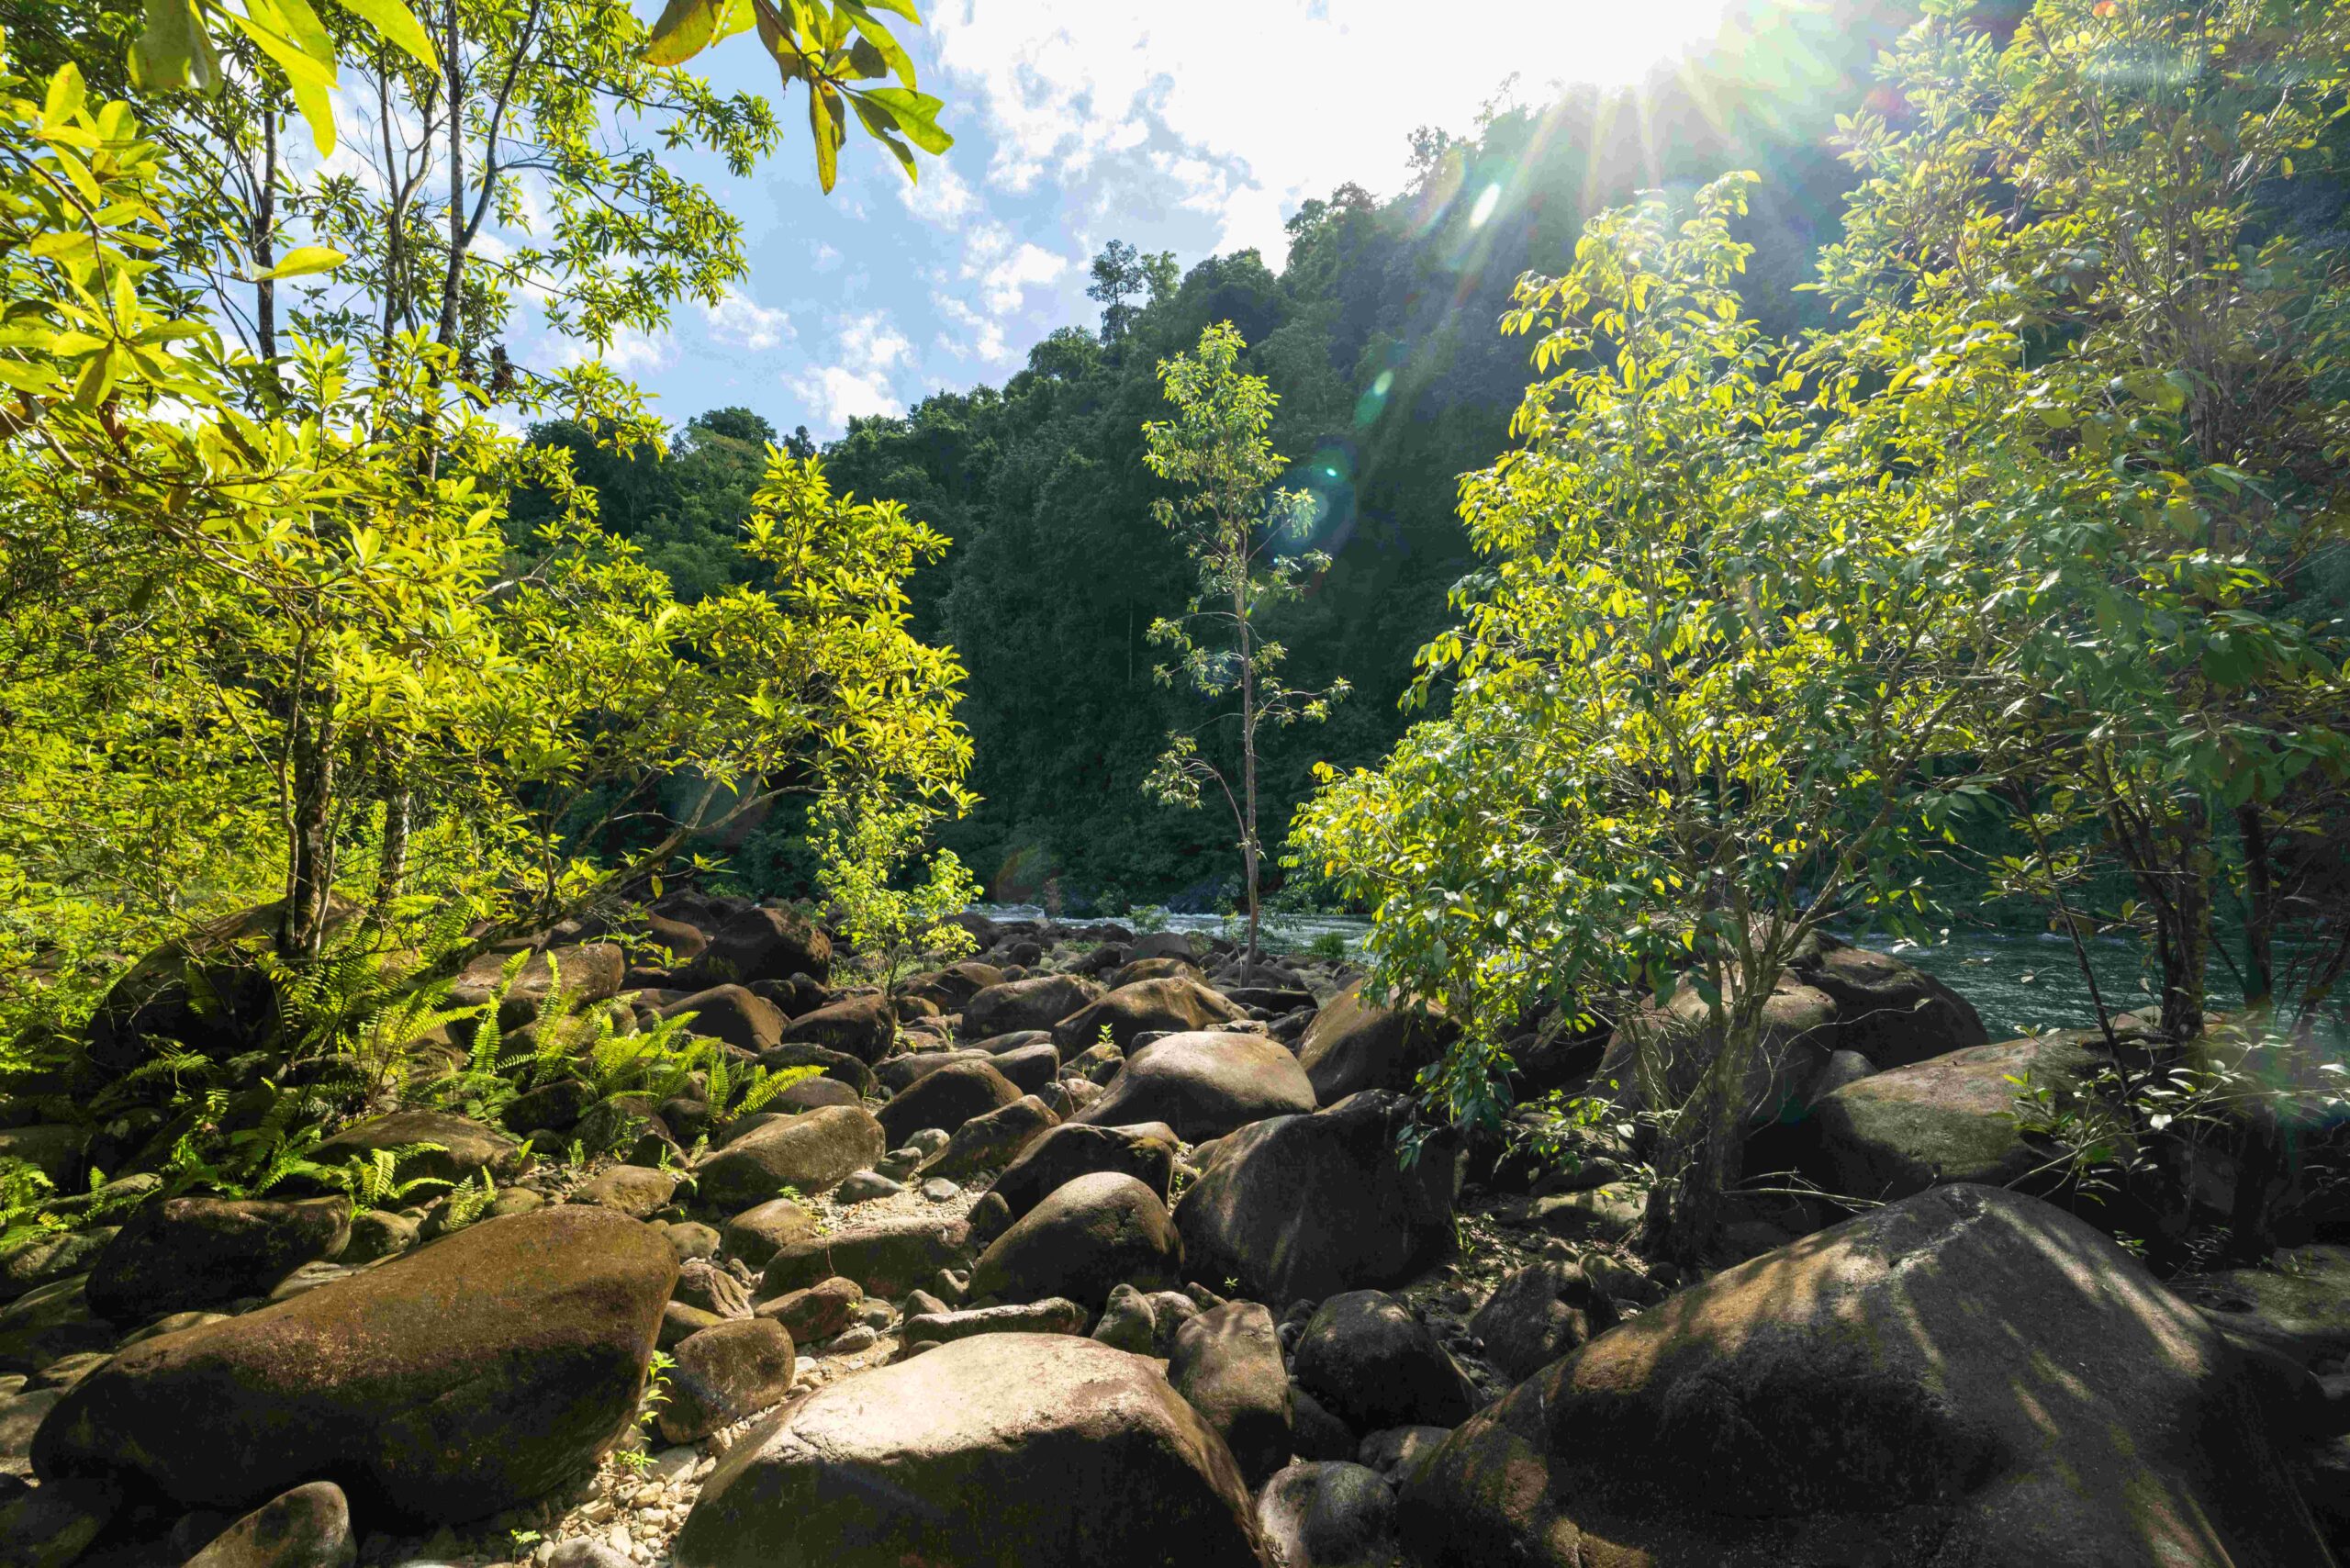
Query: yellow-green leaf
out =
(398, 24)
(304, 260)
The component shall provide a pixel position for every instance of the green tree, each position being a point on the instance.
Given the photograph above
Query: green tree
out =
(2107, 194)
(1701, 701)
(1216, 453)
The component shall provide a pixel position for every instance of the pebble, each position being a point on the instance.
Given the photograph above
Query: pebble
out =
(939, 1190)
(851, 1340)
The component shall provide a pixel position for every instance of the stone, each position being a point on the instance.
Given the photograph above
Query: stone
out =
(1947, 1119)
(1226, 1361)
(636, 1190)
(1314, 1433)
(1053, 1315)
(1609, 1212)
(1044, 1450)
(1799, 1033)
(723, 1374)
(990, 1217)
(1372, 1364)
(1089, 1236)
(378, 1233)
(308, 1527)
(1173, 1005)
(186, 1253)
(581, 1551)
(1353, 1045)
(1967, 1376)
(729, 1013)
(69, 1371)
(1039, 1003)
(466, 1148)
(2299, 1305)
(1329, 1514)
(1030, 1067)
(865, 1186)
(1537, 1314)
(946, 1099)
(861, 1026)
(1169, 1310)
(1145, 1151)
(811, 1151)
(681, 1321)
(51, 1321)
(469, 1376)
(706, 1286)
(172, 1324)
(756, 1235)
(811, 1092)
(850, 1341)
(818, 1312)
(47, 1257)
(939, 1190)
(51, 1526)
(888, 1257)
(1311, 1206)
(1127, 1322)
(1204, 1085)
(1163, 944)
(689, 1239)
(1398, 1452)
(837, 1066)
(1887, 1010)
(759, 943)
(901, 1072)
(950, 988)
(991, 1141)
(20, 1416)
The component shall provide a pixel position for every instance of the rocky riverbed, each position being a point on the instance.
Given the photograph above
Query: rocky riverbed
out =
(1089, 1248)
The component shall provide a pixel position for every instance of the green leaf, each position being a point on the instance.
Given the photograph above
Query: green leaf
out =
(398, 26)
(916, 114)
(66, 95)
(304, 260)
(824, 123)
(686, 27)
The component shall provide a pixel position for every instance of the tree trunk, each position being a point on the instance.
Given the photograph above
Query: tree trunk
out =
(2259, 910)
(1248, 771)
(399, 812)
(1707, 1147)
(264, 242)
(310, 870)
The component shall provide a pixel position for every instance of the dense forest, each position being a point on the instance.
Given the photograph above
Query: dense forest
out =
(509, 1048)
(1378, 331)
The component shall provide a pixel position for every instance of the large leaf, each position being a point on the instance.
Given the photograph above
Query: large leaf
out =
(916, 114)
(686, 27)
(398, 26)
(304, 260)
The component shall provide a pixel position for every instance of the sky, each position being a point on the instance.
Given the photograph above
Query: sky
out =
(1195, 127)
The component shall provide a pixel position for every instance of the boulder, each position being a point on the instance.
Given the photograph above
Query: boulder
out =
(759, 945)
(1967, 1376)
(550, 1108)
(862, 1027)
(950, 988)
(1314, 1433)
(810, 1151)
(465, 1148)
(1154, 968)
(588, 971)
(1053, 1315)
(731, 1014)
(1373, 1365)
(1892, 1012)
(1398, 1452)
(51, 1526)
(207, 992)
(470, 1376)
(1146, 1151)
(1353, 1045)
(1039, 1450)
(1090, 1235)
(1030, 1067)
(50, 1257)
(1539, 1314)
(1204, 1085)
(991, 1141)
(20, 1416)
(637, 1191)
(1307, 1206)
(1950, 1118)
(1127, 1321)
(308, 1527)
(1226, 1361)
(705, 1285)
(2299, 1305)
(1798, 1036)
(1170, 1006)
(185, 1253)
(724, 1373)
(1329, 1514)
(757, 1233)
(835, 1065)
(50, 1322)
(1038, 1002)
(1163, 944)
(818, 1312)
(901, 1072)
(53, 1149)
(946, 1099)
(886, 1257)
(811, 1092)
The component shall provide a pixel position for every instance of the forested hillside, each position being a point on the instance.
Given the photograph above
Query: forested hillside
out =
(1378, 331)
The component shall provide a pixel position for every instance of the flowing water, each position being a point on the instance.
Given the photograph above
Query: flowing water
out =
(2019, 982)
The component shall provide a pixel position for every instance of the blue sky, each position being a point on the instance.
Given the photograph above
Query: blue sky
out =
(1195, 127)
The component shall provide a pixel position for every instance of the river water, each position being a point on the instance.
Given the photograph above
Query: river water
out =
(2020, 983)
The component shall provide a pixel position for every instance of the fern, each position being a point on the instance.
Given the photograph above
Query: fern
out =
(467, 1201)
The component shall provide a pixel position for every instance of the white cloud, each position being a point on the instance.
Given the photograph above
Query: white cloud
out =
(1323, 91)
(943, 197)
(867, 349)
(1030, 266)
(739, 319)
(980, 338)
